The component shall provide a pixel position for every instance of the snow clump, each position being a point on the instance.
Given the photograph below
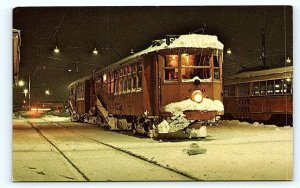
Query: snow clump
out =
(178, 108)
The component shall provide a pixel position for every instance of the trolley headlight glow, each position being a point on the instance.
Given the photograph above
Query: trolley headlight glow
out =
(197, 96)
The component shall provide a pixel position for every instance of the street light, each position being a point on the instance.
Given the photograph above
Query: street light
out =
(288, 60)
(47, 92)
(21, 83)
(229, 51)
(26, 91)
(56, 50)
(95, 51)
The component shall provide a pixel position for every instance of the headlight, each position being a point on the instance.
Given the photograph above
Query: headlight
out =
(197, 96)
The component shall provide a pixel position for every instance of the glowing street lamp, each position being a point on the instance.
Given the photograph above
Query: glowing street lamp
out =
(95, 51)
(25, 92)
(47, 92)
(56, 50)
(288, 60)
(21, 83)
(229, 51)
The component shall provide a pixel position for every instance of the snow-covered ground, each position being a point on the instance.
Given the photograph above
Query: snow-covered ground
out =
(232, 151)
(56, 118)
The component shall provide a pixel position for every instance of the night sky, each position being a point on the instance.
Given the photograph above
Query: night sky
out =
(116, 30)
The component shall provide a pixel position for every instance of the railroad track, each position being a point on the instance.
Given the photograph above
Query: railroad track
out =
(118, 149)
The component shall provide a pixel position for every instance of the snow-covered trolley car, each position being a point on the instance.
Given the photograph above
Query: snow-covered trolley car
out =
(265, 95)
(171, 88)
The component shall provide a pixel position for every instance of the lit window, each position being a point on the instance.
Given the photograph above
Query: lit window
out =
(195, 65)
(278, 87)
(171, 67)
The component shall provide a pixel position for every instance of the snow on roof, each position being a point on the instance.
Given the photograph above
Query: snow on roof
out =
(252, 75)
(197, 41)
(183, 41)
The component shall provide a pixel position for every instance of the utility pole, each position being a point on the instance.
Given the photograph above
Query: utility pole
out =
(263, 48)
(29, 92)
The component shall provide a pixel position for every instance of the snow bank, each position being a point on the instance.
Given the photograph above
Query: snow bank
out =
(178, 108)
(243, 123)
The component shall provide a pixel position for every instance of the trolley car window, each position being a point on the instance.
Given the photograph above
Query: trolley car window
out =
(116, 89)
(139, 77)
(171, 67)
(232, 90)
(263, 88)
(124, 88)
(278, 87)
(287, 86)
(112, 82)
(255, 88)
(270, 87)
(226, 91)
(80, 91)
(243, 89)
(120, 85)
(216, 60)
(195, 65)
(133, 77)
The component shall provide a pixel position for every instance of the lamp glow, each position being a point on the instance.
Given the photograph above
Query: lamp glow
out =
(288, 60)
(229, 51)
(56, 50)
(197, 96)
(21, 83)
(95, 51)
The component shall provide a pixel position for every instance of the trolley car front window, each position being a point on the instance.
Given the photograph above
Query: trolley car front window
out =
(195, 65)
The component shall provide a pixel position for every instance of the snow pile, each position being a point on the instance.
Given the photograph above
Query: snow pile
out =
(175, 125)
(194, 149)
(163, 127)
(178, 108)
(56, 118)
(243, 123)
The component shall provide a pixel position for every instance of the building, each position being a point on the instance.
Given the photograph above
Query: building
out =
(16, 40)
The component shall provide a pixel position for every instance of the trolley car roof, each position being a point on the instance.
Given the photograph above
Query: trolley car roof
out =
(268, 74)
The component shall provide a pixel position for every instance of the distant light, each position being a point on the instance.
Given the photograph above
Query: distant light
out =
(288, 60)
(70, 70)
(21, 83)
(25, 91)
(104, 77)
(131, 51)
(24, 101)
(228, 51)
(47, 92)
(56, 50)
(288, 79)
(95, 51)
(40, 109)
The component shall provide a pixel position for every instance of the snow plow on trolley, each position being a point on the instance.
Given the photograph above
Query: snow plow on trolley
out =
(171, 89)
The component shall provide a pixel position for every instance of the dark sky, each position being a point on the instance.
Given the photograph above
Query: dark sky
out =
(115, 30)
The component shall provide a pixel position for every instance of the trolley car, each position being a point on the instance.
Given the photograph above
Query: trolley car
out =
(265, 95)
(173, 86)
